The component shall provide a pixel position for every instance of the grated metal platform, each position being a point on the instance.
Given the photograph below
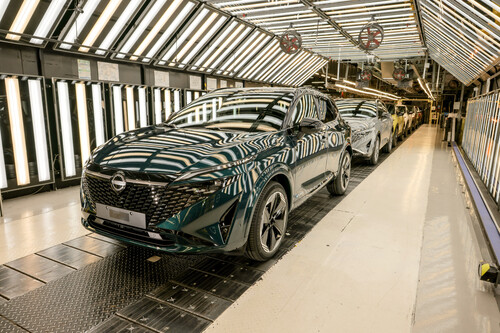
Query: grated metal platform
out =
(96, 284)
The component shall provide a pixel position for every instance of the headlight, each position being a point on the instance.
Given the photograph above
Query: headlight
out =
(209, 187)
(194, 173)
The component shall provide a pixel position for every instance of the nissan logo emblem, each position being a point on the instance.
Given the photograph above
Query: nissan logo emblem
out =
(118, 182)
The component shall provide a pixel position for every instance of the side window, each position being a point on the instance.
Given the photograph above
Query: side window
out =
(331, 112)
(322, 109)
(381, 109)
(305, 108)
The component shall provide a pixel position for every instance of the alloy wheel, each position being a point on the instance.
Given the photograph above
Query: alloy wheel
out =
(273, 223)
(345, 172)
(376, 149)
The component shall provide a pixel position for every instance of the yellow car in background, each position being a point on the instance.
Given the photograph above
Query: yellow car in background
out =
(398, 122)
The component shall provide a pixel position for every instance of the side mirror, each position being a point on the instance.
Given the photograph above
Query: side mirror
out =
(311, 126)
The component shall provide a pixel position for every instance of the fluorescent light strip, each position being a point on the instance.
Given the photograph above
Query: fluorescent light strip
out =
(257, 60)
(98, 114)
(3, 175)
(235, 44)
(39, 130)
(204, 40)
(79, 24)
(188, 97)
(195, 37)
(299, 70)
(288, 80)
(276, 53)
(142, 107)
(156, 28)
(66, 129)
(382, 92)
(321, 64)
(22, 18)
(196, 95)
(282, 59)
(217, 42)
(171, 28)
(83, 122)
(251, 54)
(248, 46)
(192, 25)
(360, 91)
(130, 108)
(211, 63)
(177, 100)
(17, 131)
(3, 7)
(303, 73)
(100, 24)
(47, 20)
(287, 68)
(168, 105)
(153, 11)
(123, 19)
(229, 64)
(157, 97)
(118, 109)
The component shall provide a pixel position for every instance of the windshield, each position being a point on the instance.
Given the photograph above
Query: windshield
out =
(357, 108)
(249, 111)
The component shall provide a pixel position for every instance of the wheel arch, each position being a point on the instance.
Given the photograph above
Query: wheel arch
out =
(275, 172)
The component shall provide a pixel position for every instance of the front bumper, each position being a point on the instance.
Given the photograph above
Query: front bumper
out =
(214, 224)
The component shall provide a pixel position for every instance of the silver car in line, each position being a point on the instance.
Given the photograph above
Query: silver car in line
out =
(371, 126)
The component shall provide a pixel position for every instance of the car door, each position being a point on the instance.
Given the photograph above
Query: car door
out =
(310, 150)
(334, 135)
(386, 123)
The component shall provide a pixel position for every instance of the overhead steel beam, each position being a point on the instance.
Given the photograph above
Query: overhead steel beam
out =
(418, 19)
(335, 25)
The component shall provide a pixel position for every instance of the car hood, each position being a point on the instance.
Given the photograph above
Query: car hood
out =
(158, 149)
(359, 124)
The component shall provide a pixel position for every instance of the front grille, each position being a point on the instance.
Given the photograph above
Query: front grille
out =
(157, 202)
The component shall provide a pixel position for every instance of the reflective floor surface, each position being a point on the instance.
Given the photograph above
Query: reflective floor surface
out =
(396, 255)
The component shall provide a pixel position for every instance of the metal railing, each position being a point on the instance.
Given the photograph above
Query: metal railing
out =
(481, 139)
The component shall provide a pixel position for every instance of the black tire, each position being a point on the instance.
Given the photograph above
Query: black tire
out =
(388, 146)
(255, 249)
(395, 138)
(338, 185)
(376, 152)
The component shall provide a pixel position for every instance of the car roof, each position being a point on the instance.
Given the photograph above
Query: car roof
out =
(356, 100)
(283, 90)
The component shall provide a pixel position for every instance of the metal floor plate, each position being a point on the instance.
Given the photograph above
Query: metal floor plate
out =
(116, 289)
(40, 268)
(8, 327)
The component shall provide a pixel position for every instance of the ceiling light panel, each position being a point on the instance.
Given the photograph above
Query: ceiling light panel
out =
(29, 18)
(309, 72)
(462, 36)
(201, 28)
(299, 71)
(98, 25)
(396, 16)
(221, 45)
(157, 25)
(242, 55)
